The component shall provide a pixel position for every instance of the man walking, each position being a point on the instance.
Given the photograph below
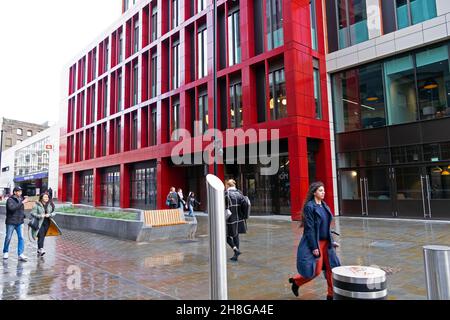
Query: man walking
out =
(15, 216)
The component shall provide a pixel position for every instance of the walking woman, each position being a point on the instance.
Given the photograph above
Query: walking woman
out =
(191, 203)
(236, 224)
(44, 211)
(316, 251)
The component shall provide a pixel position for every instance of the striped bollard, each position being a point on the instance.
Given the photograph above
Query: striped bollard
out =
(359, 283)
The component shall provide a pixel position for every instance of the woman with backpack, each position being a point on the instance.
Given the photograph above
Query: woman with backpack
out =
(44, 225)
(316, 251)
(236, 203)
(173, 199)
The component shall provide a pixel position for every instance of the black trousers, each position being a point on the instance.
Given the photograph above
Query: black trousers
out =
(233, 241)
(42, 232)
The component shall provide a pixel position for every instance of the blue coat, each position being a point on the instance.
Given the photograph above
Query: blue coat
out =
(306, 261)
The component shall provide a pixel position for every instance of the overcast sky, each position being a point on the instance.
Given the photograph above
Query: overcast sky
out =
(38, 38)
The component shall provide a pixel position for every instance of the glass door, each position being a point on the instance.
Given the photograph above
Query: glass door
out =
(410, 192)
(376, 189)
(438, 184)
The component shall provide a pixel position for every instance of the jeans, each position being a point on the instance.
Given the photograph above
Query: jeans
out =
(191, 210)
(9, 233)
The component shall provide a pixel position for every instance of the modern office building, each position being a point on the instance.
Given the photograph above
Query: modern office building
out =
(389, 84)
(15, 132)
(152, 72)
(32, 164)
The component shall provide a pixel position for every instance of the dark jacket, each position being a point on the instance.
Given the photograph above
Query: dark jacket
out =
(306, 261)
(14, 211)
(192, 202)
(174, 199)
(236, 224)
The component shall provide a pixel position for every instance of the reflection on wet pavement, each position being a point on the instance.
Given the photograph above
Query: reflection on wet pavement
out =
(82, 265)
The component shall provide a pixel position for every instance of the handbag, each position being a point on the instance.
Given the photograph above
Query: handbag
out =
(34, 223)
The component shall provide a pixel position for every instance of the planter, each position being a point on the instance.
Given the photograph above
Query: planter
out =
(124, 229)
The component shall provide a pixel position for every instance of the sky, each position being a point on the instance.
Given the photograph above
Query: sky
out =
(38, 38)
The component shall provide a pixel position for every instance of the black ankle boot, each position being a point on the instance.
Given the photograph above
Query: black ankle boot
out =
(294, 286)
(330, 298)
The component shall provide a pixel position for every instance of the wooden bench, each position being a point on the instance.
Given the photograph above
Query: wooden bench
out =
(163, 218)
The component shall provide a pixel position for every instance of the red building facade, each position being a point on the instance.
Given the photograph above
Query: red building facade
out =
(153, 73)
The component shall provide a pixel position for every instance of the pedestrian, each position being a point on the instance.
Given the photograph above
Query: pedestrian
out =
(50, 193)
(44, 211)
(181, 201)
(172, 200)
(316, 251)
(15, 217)
(236, 223)
(191, 203)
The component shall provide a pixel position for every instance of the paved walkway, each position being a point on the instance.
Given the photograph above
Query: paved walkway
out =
(82, 265)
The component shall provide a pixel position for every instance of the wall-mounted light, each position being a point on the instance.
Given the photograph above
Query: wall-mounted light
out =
(354, 174)
(430, 84)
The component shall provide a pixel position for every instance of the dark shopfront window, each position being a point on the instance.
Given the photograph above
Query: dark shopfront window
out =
(410, 12)
(86, 187)
(143, 187)
(110, 188)
(268, 194)
(399, 90)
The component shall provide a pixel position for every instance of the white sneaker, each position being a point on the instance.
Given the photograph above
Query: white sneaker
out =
(6, 255)
(23, 258)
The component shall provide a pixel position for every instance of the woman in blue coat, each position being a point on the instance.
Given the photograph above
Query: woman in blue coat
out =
(316, 251)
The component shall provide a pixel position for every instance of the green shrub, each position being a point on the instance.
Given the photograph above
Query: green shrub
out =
(98, 213)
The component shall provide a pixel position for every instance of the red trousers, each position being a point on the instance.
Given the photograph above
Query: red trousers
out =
(323, 248)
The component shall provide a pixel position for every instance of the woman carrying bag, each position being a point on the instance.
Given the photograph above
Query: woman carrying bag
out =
(42, 224)
(316, 251)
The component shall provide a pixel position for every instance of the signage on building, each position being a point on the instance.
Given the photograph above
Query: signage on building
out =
(48, 147)
(5, 169)
(35, 176)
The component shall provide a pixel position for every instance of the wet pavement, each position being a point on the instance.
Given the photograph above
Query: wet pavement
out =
(81, 265)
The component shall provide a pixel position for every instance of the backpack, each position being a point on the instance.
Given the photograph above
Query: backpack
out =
(246, 207)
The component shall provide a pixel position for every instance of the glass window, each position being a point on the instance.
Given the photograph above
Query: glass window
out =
(175, 121)
(234, 39)
(400, 90)
(154, 128)
(176, 76)
(134, 131)
(154, 74)
(136, 35)
(348, 159)
(278, 100)
(202, 54)
(359, 98)
(407, 154)
(274, 12)
(203, 113)
(154, 23)
(374, 157)
(433, 81)
(236, 105)
(19, 132)
(352, 22)
(29, 133)
(175, 13)
(120, 47)
(312, 10)
(135, 83)
(106, 57)
(317, 91)
(201, 5)
(119, 92)
(104, 136)
(410, 12)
